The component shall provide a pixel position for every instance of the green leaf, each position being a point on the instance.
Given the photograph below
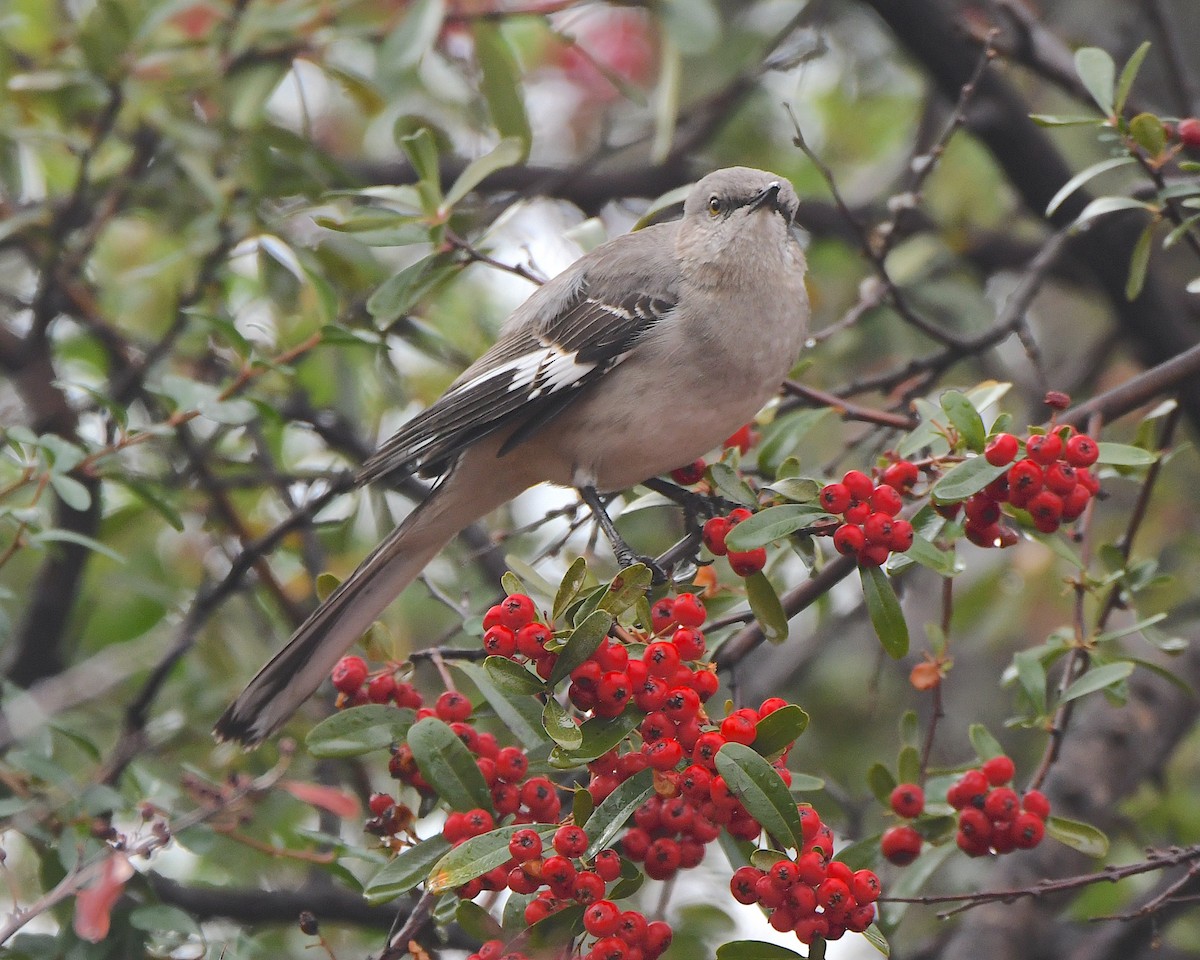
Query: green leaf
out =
(986, 746)
(758, 785)
(520, 713)
(401, 291)
(1098, 678)
(874, 936)
(358, 730)
(1105, 205)
(1098, 73)
(413, 36)
(965, 419)
(608, 819)
(584, 639)
(71, 492)
(500, 84)
(560, 725)
(1128, 74)
(796, 489)
(1083, 177)
(448, 765)
(600, 734)
(779, 729)
(477, 922)
(884, 610)
(781, 438)
(62, 535)
(506, 153)
(1048, 120)
(940, 561)
(728, 484)
(159, 916)
(774, 523)
(1123, 455)
(512, 677)
(422, 154)
(474, 857)
(908, 765)
(768, 611)
(967, 478)
(804, 783)
(755, 950)
(625, 589)
(572, 582)
(407, 870)
(582, 805)
(1139, 263)
(1078, 836)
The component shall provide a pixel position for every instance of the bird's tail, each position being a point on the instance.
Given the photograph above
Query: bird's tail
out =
(295, 672)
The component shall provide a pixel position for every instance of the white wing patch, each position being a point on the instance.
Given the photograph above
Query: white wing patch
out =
(540, 373)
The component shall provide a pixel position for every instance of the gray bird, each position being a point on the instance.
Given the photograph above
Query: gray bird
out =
(640, 357)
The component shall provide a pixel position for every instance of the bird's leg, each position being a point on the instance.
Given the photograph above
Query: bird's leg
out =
(626, 557)
(695, 505)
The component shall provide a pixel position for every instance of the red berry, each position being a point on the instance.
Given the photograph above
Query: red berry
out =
(1036, 802)
(970, 785)
(877, 528)
(1024, 480)
(1045, 506)
(1075, 502)
(689, 642)
(886, 500)
(857, 513)
(705, 683)
(902, 536)
(657, 938)
(865, 886)
(1060, 478)
(1027, 831)
(859, 485)
(525, 845)
(900, 845)
(873, 555)
(683, 703)
(972, 846)
(662, 614)
(662, 859)
(900, 476)
(742, 438)
(452, 707)
(665, 754)
(908, 800)
(746, 563)
(714, 533)
(1001, 449)
(974, 823)
(380, 803)
(1044, 448)
(849, 539)
(692, 473)
(570, 841)
(1001, 804)
(382, 688)
(601, 917)
(739, 729)
(517, 610)
(511, 764)
(608, 864)
(833, 894)
(999, 770)
(688, 610)
(770, 705)
(1082, 451)
(835, 497)
(981, 509)
(349, 674)
(661, 658)
(500, 641)
(612, 693)
(1188, 131)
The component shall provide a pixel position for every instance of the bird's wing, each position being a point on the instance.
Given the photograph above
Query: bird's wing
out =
(575, 329)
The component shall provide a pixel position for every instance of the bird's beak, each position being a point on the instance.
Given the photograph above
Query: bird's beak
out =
(769, 195)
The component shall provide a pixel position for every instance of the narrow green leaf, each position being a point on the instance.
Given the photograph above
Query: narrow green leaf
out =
(1078, 836)
(936, 559)
(768, 611)
(884, 610)
(1178, 232)
(560, 725)
(967, 478)
(728, 484)
(501, 84)
(1105, 205)
(755, 950)
(874, 936)
(398, 293)
(1048, 120)
(448, 765)
(582, 804)
(1098, 73)
(910, 728)
(778, 730)
(608, 819)
(758, 785)
(506, 153)
(1083, 177)
(477, 922)
(568, 589)
(62, 535)
(413, 36)
(986, 746)
(422, 154)
(520, 713)
(1139, 263)
(407, 870)
(908, 765)
(804, 783)
(582, 643)
(965, 419)
(1097, 679)
(1128, 74)
(512, 677)
(795, 489)
(600, 734)
(1123, 455)
(774, 523)
(625, 589)
(474, 857)
(359, 730)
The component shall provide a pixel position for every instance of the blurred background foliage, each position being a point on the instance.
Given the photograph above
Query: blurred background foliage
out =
(231, 262)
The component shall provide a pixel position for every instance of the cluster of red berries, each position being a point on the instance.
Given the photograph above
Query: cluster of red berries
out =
(356, 684)
(744, 563)
(992, 818)
(1052, 482)
(511, 630)
(813, 895)
(692, 801)
(871, 529)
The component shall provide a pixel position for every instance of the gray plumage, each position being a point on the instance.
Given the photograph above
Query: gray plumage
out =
(641, 356)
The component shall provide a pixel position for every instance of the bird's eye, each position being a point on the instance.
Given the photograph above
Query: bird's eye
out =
(714, 205)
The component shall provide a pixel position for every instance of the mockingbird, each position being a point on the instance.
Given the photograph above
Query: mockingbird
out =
(637, 359)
